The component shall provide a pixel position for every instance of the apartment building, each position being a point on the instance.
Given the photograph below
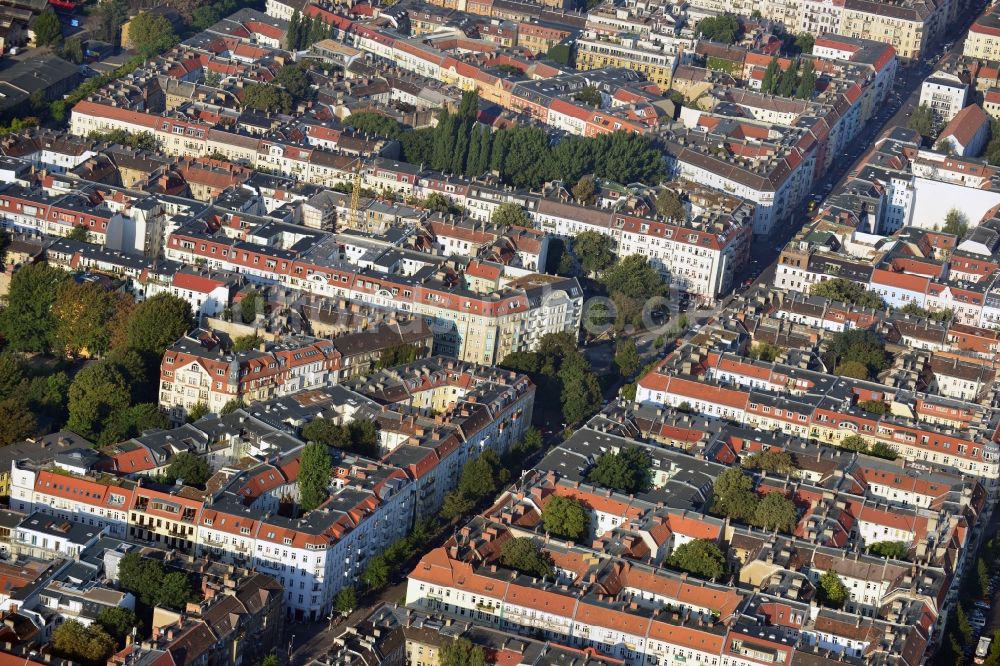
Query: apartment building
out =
(655, 60)
(372, 502)
(983, 38)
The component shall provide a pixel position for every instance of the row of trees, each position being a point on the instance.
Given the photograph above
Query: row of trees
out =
(523, 155)
(480, 480)
(796, 80)
(303, 32)
(563, 376)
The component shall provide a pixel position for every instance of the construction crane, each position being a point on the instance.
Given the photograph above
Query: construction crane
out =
(356, 213)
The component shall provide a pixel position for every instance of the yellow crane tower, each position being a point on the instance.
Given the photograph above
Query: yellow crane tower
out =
(356, 213)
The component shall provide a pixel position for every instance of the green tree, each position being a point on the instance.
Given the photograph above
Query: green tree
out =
(293, 35)
(295, 81)
(852, 369)
(776, 462)
(594, 251)
(584, 191)
(807, 83)
(132, 422)
(789, 79)
(11, 376)
(725, 28)
(47, 28)
(376, 574)
(854, 443)
(626, 471)
(110, 17)
(28, 322)
(589, 95)
(482, 476)
(883, 450)
(418, 145)
(16, 421)
(192, 469)
(97, 394)
(87, 645)
(955, 222)
(456, 505)
(346, 600)
(246, 343)
(922, 122)
(157, 323)
(205, 17)
(894, 550)
(699, 557)
(461, 652)
(231, 406)
(82, 311)
(734, 495)
(251, 305)
(772, 75)
(632, 283)
(847, 351)
(270, 660)
(370, 122)
(266, 97)
(199, 411)
(670, 206)
(627, 157)
(523, 554)
(804, 42)
(118, 623)
(399, 355)
(775, 512)
(964, 628)
(765, 351)
(565, 517)
(150, 33)
(874, 407)
(831, 591)
(175, 591)
(509, 215)
(314, 475)
(72, 51)
(627, 358)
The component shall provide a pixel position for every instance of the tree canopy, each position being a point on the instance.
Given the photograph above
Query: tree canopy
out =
(157, 323)
(150, 33)
(956, 222)
(190, 468)
(626, 471)
(82, 311)
(734, 495)
(594, 251)
(461, 652)
(565, 517)
(524, 156)
(118, 622)
(562, 374)
(523, 554)
(894, 550)
(360, 436)
(699, 557)
(775, 512)
(725, 28)
(922, 121)
(370, 122)
(28, 322)
(267, 97)
(87, 645)
(315, 467)
(632, 283)
(510, 215)
(670, 206)
(152, 584)
(47, 28)
(831, 591)
(779, 462)
(848, 291)
(854, 349)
